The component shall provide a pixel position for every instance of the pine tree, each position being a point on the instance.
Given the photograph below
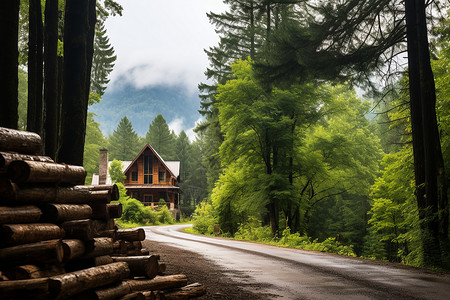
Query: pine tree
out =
(102, 61)
(160, 138)
(124, 143)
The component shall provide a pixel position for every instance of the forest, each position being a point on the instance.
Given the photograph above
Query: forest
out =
(325, 122)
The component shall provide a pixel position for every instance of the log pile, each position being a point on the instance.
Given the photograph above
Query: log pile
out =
(58, 239)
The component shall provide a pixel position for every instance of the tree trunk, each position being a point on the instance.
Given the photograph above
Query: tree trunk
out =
(141, 265)
(43, 252)
(157, 283)
(73, 248)
(24, 289)
(85, 263)
(51, 77)
(33, 272)
(41, 172)
(19, 214)
(35, 68)
(76, 74)
(428, 163)
(66, 212)
(7, 157)
(16, 234)
(69, 284)
(80, 229)
(20, 141)
(186, 292)
(108, 293)
(98, 247)
(132, 234)
(9, 56)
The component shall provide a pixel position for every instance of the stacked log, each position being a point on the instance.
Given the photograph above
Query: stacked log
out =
(58, 239)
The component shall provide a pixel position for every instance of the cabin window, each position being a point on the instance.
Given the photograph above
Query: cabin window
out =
(162, 176)
(148, 169)
(134, 176)
(148, 199)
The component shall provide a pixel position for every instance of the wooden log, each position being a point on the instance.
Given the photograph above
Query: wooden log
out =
(16, 234)
(7, 157)
(19, 214)
(69, 284)
(85, 263)
(99, 247)
(161, 269)
(73, 248)
(111, 233)
(144, 251)
(36, 171)
(25, 289)
(102, 225)
(133, 296)
(131, 234)
(114, 210)
(186, 292)
(20, 141)
(80, 229)
(3, 276)
(43, 252)
(65, 212)
(110, 292)
(152, 295)
(41, 194)
(120, 247)
(157, 283)
(33, 271)
(141, 265)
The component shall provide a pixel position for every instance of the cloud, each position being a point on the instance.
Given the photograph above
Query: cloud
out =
(161, 42)
(177, 125)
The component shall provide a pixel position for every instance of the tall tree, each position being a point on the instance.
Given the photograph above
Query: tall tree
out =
(9, 26)
(160, 138)
(51, 78)
(35, 68)
(78, 48)
(124, 143)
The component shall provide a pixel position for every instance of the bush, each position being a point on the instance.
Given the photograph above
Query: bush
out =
(253, 231)
(203, 219)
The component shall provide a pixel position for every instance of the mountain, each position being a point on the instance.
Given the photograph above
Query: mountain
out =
(141, 106)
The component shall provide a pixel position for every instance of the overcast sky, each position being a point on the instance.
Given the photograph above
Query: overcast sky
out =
(162, 41)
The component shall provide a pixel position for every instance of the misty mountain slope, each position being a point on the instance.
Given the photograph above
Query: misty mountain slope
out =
(141, 106)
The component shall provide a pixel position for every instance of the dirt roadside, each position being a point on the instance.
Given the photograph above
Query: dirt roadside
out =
(198, 269)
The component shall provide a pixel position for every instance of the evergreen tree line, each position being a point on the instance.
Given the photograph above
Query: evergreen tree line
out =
(289, 143)
(124, 144)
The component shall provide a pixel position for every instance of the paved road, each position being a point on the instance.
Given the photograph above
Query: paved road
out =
(298, 274)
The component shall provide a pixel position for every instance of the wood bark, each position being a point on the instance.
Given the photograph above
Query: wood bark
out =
(69, 284)
(98, 247)
(7, 157)
(80, 229)
(20, 141)
(186, 292)
(73, 248)
(102, 225)
(42, 172)
(42, 252)
(110, 292)
(25, 289)
(131, 234)
(112, 233)
(16, 234)
(161, 269)
(85, 263)
(157, 283)
(33, 271)
(19, 214)
(114, 210)
(51, 77)
(66, 212)
(9, 56)
(108, 211)
(141, 265)
(45, 194)
(77, 61)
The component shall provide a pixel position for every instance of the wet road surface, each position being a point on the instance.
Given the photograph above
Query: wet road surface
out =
(298, 274)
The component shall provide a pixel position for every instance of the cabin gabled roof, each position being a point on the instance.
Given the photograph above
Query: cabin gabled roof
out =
(174, 171)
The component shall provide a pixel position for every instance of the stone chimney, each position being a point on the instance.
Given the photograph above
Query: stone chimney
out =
(103, 166)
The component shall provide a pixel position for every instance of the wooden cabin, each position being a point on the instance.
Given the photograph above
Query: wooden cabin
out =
(148, 178)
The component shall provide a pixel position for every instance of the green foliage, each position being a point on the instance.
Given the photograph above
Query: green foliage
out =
(252, 230)
(94, 141)
(115, 171)
(204, 218)
(23, 99)
(160, 138)
(124, 143)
